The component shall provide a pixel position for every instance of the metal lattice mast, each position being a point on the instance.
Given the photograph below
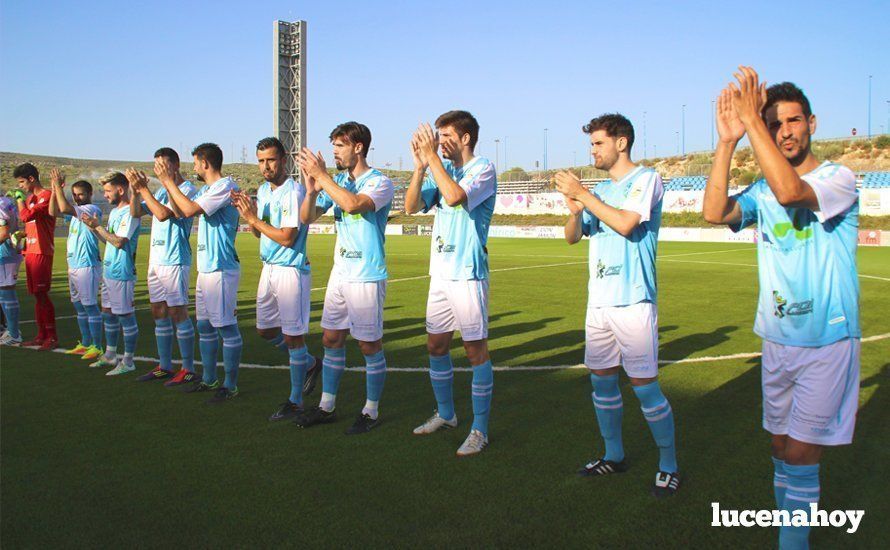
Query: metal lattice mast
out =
(289, 87)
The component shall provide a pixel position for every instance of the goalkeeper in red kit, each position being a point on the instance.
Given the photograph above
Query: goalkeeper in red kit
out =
(33, 204)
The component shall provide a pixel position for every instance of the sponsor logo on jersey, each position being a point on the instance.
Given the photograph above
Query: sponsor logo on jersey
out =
(443, 248)
(782, 308)
(350, 254)
(605, 271)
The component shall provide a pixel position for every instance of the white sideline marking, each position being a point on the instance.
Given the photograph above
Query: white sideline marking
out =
(706, 359)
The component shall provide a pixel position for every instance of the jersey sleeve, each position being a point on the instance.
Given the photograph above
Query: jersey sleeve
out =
(835, 189)
(645, 192)
(479, 184)
(747, 201)
(290, 207)
(429, 193)
(324, 202)
(215, 197)
(381, 191)
(128, 226)
(190, 191)
(39, 209)
(589, 223)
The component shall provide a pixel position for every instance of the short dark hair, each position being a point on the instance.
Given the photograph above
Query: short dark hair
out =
(168, 153)
(614, 124)
(26, 170)
(83, 184)
(115, 178)
(355, 132)
(786, 91)
(211, 153)
(271, 143)
(463, 122)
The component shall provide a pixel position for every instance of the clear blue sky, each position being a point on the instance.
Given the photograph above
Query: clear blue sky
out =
(97, 79)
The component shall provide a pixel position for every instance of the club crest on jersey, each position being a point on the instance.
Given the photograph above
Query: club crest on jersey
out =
(603, 271)
(443, 248)
(781, 307)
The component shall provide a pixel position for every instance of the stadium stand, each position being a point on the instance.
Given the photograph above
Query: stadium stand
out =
(875, 180)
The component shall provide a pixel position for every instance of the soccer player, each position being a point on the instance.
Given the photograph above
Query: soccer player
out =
(361, 197)
(807, 218)
(10, 260)
(282, 303)
(121, 239)
(219, 270)
(169, 264)
(84, 263)
(621, 217)
(33, 204)
(462, 189)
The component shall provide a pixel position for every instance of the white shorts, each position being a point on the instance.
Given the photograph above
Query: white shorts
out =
(118, 296)
(168, 283)
(83, 283)
(9, 273)
(811, 394)
(355, 306)
(282, 299)
(623, 335)
(216, 297)
(458, 305)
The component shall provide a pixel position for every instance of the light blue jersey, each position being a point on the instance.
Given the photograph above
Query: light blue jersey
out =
(622, 269)
(280, 208)
(809, 287)
(83, 245)
(359, 255)
(120, 263)
(217, 227)
(460, 233)
(9, 218)
(170, 238)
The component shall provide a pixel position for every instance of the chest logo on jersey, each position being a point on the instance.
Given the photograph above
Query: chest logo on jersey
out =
(781, 307)
(602, 270)
(443, 248)
(350, 254)
(798, 228)
(158, 242)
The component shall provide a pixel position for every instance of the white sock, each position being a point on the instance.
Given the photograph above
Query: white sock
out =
(110, 353)
(328, 401)
(371, 409)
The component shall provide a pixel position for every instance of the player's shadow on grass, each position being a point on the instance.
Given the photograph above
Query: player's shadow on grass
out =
(683, 347)
(572, 338)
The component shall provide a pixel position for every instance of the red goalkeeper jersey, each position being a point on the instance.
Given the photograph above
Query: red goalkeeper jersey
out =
(39, 225)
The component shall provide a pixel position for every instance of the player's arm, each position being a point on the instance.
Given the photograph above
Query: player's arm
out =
(96, 227)
(788, 187)
(139, 185)
(575, 223)
(309, 210)
(58, 204)
(428, 144)
(718, 207)
(26, 214)
(621, 221)
(349, 202)
(186, 207)
(285, 236)
(413, 195)
(166, 172)
(4, 232)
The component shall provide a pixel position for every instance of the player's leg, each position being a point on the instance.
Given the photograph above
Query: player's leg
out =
(43, 281)
(268, 320)
(9, 302)
(83, 320)
(335, 327)
(33, 286)
(124, 307)
(206, 289)
(185, 337)
(825, 398)
(157, 282)
(89, 293)
(440, 327)
(223, 312)
(111, 326)
(364, 302)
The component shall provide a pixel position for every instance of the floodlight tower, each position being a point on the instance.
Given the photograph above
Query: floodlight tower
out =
(289, 88)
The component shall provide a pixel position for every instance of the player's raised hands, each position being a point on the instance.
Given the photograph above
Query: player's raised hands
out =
(310, 183)
(729, 126)
(427, 142)
(165, 171)
(575, 207)
(245, 205)
(56, 178)
(312, 163)
(568, 184)
(749, 97)
(138, 180)
(90, 221)
(419, 162)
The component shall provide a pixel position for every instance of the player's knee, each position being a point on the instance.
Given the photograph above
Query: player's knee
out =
(294, 341)
(178, 313)
(436, 347)
(159, 310)
(800, 453)
(777, 446)
(370, 348)
(332, 340)
(267, 333)
(477, 352)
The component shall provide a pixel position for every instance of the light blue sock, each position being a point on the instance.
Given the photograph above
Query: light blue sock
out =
(164, 337)
(10, 303)
(332, 367)
(112, 330)
(658, 413)
(375, 376)
(442, 379)
(609, 409)
(232, 345)
(94, 315)
(131, 332)
(299, 361)
(83, 323)
(780, 482)
(208, 344)
(483, 383)
(185, 335)
(278, 342)
(802, 490)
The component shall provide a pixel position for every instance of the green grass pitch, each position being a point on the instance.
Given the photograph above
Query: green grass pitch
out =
(91, 461)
